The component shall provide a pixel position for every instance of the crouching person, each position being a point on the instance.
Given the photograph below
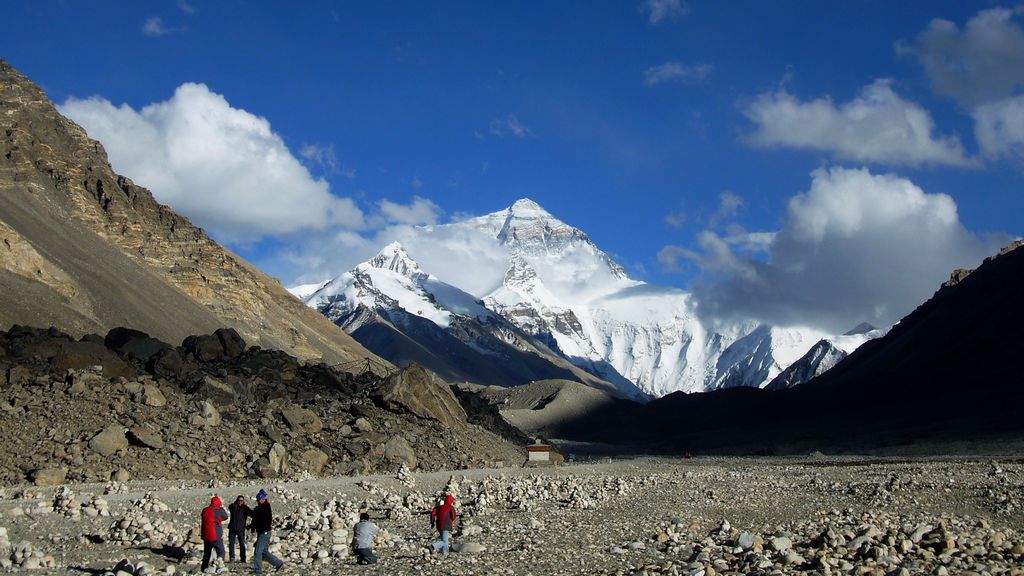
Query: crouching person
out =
(362, 540)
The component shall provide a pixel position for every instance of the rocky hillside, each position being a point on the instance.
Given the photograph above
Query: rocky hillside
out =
(131, 406)
(85, 249)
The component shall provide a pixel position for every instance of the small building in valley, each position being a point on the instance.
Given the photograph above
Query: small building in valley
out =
(538, 452)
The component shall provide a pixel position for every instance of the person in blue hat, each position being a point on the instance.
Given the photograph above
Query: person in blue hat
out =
(262, 522)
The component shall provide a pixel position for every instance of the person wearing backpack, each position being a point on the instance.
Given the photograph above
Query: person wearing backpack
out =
(211, 531)
(442, 517)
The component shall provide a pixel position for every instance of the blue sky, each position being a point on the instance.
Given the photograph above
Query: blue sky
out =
(657, 126)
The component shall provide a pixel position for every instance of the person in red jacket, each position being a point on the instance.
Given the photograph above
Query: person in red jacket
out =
(443, 517)
(211, 530)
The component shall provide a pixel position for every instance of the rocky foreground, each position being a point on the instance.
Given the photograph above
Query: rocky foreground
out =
(645, 516)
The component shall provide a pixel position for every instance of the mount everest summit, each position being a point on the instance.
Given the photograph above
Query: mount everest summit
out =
(531, 297)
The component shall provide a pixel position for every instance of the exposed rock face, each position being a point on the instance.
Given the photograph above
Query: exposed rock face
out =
(421, 392)
(86, 249)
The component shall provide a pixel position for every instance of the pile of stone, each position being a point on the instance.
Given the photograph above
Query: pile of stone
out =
(405, 476)
(151, 504)
(26, 557)
(114, 487)
(96, 506)
(136, 529)
(5, 549)
(839, 543)
(66, 504)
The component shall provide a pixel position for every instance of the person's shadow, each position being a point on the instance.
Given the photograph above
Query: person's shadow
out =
(176, 553)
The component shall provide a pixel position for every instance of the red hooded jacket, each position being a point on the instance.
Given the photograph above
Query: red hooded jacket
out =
(212, 516)
(443, 515)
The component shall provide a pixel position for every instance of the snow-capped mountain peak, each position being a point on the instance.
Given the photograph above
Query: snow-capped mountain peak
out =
(394, 257)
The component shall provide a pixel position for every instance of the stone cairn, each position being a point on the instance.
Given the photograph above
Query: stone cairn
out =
(136, 528)
(405, 476)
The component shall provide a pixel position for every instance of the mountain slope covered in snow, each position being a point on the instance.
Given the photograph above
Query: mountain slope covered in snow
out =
(391, 306)
(551, 282)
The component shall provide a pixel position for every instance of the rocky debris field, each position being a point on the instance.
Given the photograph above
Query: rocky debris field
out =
(627, 517)
(130, 407)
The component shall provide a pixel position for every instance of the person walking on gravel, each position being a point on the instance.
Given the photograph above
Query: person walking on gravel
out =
(262, 522)
(362, 540)
(443, 518)
(211, 531)
(236, 527)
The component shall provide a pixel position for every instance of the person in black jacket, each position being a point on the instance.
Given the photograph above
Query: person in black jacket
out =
(236, 527)
(262, 522)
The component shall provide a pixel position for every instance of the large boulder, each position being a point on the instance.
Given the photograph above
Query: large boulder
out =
(146, 437)
(302, 420)
(109, 440)
(49, 476)
(207, 417)
(312, 461)
(398, 451)
(167, 363)
(83, 355)
(205, 348)
(273, 464)
(133, 344)
(230, 341)
(423, 393)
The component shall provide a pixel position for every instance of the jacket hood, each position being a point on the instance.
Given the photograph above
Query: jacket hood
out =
(216, 502)
(449, 499)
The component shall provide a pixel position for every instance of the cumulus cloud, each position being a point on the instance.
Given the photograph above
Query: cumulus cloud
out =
(982, 62)
(223, 167)
(676, 72)
(154, 27)
(999, 128)
(855, 247)
(418, 211)
(878, 126)
(509, 126)
(659, 11)
(676, 218)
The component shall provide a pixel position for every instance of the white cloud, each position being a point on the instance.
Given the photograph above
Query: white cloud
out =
(419, 211)
(186, 7)
(223, 167)
(509, 126)
(999, 128)
(416, 182)
(676, 72)
(855, 247)
(980, 63)
(154, 27)
(729, 204)
(676, 219)
(320, 155)
(878, 126)
(659, 11)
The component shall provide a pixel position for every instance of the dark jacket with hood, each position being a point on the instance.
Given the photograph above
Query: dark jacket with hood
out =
(239, 512)
(262, 518)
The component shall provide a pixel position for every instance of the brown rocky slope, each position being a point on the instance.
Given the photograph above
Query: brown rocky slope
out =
(85, 249)
(130, 406)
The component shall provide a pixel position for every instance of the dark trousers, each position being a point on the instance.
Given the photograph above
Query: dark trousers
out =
(208, 547)
(365, 556)
(240, 536)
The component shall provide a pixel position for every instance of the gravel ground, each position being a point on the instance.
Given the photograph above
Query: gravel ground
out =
(707, 516)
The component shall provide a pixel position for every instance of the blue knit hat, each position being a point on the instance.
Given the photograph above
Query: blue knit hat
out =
(261, 495)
